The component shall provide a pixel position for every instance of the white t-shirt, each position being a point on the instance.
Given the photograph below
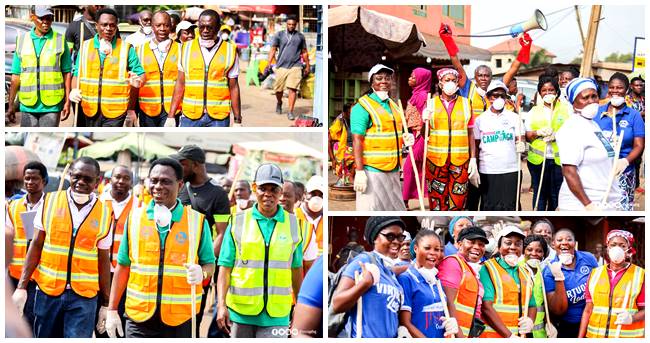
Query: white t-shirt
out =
(138, 38)
(548, 116)
(579, 145)
(497, 134)
(311, 251)
(118, 207)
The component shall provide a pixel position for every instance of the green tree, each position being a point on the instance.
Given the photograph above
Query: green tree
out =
(621, 58)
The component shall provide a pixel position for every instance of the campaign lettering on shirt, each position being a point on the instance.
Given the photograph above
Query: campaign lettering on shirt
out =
(394, 295)
(576, 294)
(497, 136)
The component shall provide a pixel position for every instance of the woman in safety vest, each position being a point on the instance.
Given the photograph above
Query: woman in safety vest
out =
(422, 312)
(609, 287)
(543, 121)
(507, 286)
(536, 251)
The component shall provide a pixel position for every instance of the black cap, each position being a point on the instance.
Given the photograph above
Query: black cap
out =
(472, 233)
(190, 152)
(376, 224)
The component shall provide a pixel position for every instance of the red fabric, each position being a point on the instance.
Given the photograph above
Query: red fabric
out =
(524, 54)
(422, 88)
(448, 40)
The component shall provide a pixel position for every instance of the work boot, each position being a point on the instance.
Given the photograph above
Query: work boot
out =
(278, 108)
(291, 116)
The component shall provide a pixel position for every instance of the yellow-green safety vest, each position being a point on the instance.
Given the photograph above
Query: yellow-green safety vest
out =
(41, 76)
(539, 327)
(537, 116)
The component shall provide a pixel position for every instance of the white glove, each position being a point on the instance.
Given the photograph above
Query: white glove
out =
(520, 147)
(170, 122)
(75, 95)
(113, 324)
(360, 181)
(475, 180)
(237, 125)
(408, 139)
(551, 331)
(593, 206)
(134, 80)
(549, 138)
(101, 319)
(194, 274)
(623, 317)
(525, 325)
(472, 170)
(426, 114)
(374, 271)
(19, 299)
(556, 271)
(543, 132)
(621, 164)
(403, 332)
(450, 325)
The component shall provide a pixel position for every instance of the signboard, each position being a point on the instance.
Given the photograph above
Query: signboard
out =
(47, 146)
(639, 54)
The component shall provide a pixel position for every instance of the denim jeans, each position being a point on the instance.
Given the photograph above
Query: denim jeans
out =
(204, 121)
(146, 121)
(68, 315)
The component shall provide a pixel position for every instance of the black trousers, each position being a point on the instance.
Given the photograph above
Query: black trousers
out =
(155, 328)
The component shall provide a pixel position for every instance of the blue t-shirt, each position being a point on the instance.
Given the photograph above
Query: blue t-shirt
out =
(575, 283)
(311, 291)
(627, 119)
(381, 302)
(450, 249)
(464, 91)
(424, 303)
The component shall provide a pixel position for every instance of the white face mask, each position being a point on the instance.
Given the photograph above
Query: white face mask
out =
(147, 30)
(105, 47)
(80, 198)
(206, 43)
(162, 215)
(589, 111)
(511, 259)
(475, 266)
(242, 203)
(498, 104)
(315, 204)
(489, 248)
(428, 274)
(617, 101)
(480, 91)
(388, 262)
(566, 259)
(449, 87)
(383, 95)
(533, 263)
(616, 254)
(225, 36)
(549, 98)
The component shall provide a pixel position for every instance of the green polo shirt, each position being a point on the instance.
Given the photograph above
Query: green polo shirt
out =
(488, 286)
(227, 257)
(133, 64)
(66, 66)
(206, 252)
(360, 122)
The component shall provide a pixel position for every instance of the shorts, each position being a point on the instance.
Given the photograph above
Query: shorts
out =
(287, 78)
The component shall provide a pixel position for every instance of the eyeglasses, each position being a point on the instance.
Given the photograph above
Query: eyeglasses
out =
(391, 237)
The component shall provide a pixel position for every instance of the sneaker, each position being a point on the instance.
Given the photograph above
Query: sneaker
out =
(291, 116)
(278, 108)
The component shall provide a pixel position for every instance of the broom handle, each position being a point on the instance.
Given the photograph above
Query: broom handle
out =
(426, 145)
(625, 300)
(412, 158)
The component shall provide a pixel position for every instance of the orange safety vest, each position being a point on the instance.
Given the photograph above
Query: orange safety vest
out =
(509, 297)
(144, 293)
(158, 89)
(383, 141)
(307, 229)
(104, 86)
(118, 227)
(207, 88)
(68, 257)
(606, 304)
(448, 133)
(20, 241)
(467, 296)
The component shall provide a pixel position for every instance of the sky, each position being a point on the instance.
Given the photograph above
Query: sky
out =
(616, 32)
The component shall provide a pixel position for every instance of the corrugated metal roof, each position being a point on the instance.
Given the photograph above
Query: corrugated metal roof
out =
(436, 50)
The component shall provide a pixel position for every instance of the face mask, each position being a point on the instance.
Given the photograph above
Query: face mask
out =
(565, 259)
(511, 259)
(480, 91)
(616, 254)
(242, 203)
(549, 98)
(449, 87)
(498, 104)
(388, 262)
(533, 263)
(147, 30)
(428, 274)
(489, 248)
(589, 111)
(617, 101)
(206, 43)
(475, 267)
(162, 215)
(225, 36)
(80, 198)
(105, 47)
(315, 204)
(383, 95)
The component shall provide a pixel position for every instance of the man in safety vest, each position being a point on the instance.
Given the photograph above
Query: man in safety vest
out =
(120, 202)
(243, 200)
(615, 293)
(107, 68)
(35, 178)
(260, 264)
(207, 78)
(69, 257)
(376, 126)
(157, 266)
(40, 74)
(159, 57)
(310, 218)
(288, 197)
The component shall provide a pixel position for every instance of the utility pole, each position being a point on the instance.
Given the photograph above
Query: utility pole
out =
(582, 34)
(590, 44)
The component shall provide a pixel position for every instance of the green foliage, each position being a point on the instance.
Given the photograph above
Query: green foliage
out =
(621, 58)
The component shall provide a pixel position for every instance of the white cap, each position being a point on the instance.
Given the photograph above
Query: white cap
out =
(374, 70)
(496, 84)
(183, 25)
(315, 183)
(510, 229)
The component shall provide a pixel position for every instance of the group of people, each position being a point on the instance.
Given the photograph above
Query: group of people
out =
(487, 283)
(140, 263)
(465, 143)
(168, 73)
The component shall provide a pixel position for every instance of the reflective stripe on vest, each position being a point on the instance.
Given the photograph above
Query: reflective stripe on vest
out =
(381, 145)
(41, 77)
(20, 241)
(466, 297)
(104, 85)
(604, 312)
(507, 302)
(307, 231)
(538, 120)
(146, 291)
(207, 87)
(67, 255)
(118, 228)
(445, 140)
(159, 86)
(262, 272)
(539, 327)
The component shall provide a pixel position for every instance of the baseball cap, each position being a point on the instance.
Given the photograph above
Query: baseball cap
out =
(509, 230)
(184, 25)
(472, 233)
(496, 84)
(42, 11)
(268, 173)
(315, 183)
(377, 68)
(190, 152)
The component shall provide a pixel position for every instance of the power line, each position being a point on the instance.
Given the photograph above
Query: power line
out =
(510, 25)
